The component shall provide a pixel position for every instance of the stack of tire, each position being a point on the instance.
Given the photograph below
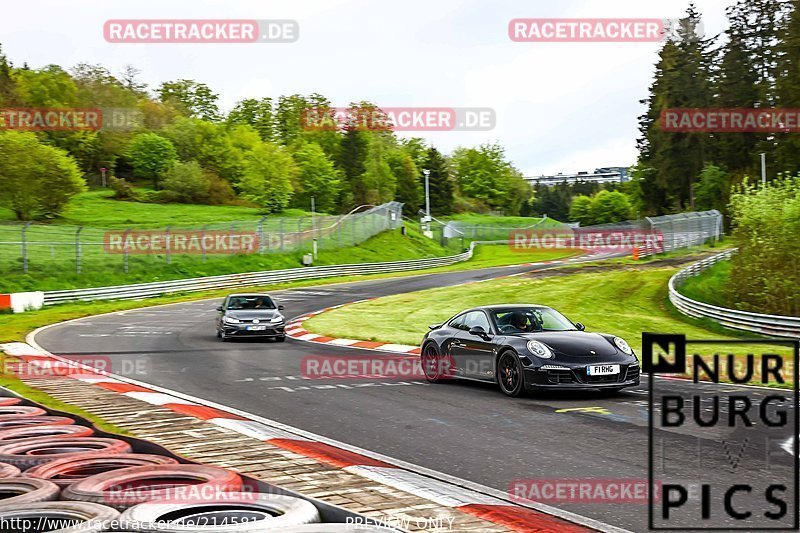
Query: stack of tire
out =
(57, 476)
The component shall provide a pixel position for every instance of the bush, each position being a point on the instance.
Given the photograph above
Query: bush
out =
(187, 182)
(122, 189)
(766, 224)
(37, 179)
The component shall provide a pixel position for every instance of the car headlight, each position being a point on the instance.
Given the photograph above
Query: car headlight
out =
(623, 346)
(540, 350)
(276, 319)
(230, 320)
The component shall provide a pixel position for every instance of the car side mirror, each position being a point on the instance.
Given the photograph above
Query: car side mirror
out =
(219, 308)
(280, 308)
(478, 331)
(580, 326)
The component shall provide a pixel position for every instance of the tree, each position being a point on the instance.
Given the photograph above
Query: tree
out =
(711, 189)
(209, 144)
(440, 184)
(581, 210)
(317, 177)
(150, 154)
(352, 156)
(130, 79)
(255, 113)
(8, 94)
(378, 181)
(195, 99)
(267, 177)
(682, 80)
(787, 148)
(38, 180)
(409, 192)
(609, 207)
(289, 117)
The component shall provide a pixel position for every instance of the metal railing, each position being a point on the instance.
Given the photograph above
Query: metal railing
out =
(774, 325)
(247, 279)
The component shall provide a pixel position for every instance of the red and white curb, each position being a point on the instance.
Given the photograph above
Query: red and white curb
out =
(476, 500)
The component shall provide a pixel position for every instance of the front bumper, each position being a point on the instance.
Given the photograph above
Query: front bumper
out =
(570, 376)
(241, 330)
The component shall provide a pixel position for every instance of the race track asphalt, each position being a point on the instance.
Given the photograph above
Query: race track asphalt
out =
(468, 430)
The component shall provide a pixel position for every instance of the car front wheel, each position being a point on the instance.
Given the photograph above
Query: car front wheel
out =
(509, 374)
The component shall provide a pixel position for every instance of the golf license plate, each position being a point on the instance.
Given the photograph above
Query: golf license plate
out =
(256, 328)
(602, 370)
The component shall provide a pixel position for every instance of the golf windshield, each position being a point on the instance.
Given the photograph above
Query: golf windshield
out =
(531, 319)
(251, 302)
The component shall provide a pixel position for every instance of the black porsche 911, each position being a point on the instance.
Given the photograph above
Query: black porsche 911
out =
(526, 347)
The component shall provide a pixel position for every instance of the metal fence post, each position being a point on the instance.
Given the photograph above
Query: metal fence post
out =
(282, 236)
(78, 249)
(355, 238)
(233, 230)
(261, 234)
(300, 233)
(166, 243)
(125, 251)
(203, 241)
(339, 233)
(25, 247)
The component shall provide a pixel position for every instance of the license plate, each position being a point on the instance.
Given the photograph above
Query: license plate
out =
(602, 370)
(256, 328)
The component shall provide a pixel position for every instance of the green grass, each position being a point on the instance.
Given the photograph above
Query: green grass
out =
(625, 303)
(97, 208)
(710, 285)
(477, 219)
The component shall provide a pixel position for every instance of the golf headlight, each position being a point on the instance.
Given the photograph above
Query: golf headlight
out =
(623, 346)
(276, 319)
(231, 320)
(539, 350)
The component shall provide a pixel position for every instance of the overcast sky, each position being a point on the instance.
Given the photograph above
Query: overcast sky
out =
(561, 107)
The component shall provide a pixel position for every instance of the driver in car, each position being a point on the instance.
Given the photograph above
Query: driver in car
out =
(522, 322)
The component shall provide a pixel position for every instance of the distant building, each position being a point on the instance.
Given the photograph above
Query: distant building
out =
(600, 175)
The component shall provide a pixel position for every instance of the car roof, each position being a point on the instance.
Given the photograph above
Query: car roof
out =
(249, 294)
(501, 307)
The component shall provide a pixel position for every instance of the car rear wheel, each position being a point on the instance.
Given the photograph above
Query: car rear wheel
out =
(509, 374)
(432, 363)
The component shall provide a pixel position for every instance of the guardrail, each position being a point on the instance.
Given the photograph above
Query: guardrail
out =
(775, 325)
(247, 279)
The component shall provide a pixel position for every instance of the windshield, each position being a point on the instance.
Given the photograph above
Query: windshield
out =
(251, 302)
(531, 319)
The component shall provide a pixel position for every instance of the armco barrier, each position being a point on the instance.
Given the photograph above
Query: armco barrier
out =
(247, 279)
(774, 325)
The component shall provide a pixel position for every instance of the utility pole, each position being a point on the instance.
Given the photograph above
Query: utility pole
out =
(427, 218)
